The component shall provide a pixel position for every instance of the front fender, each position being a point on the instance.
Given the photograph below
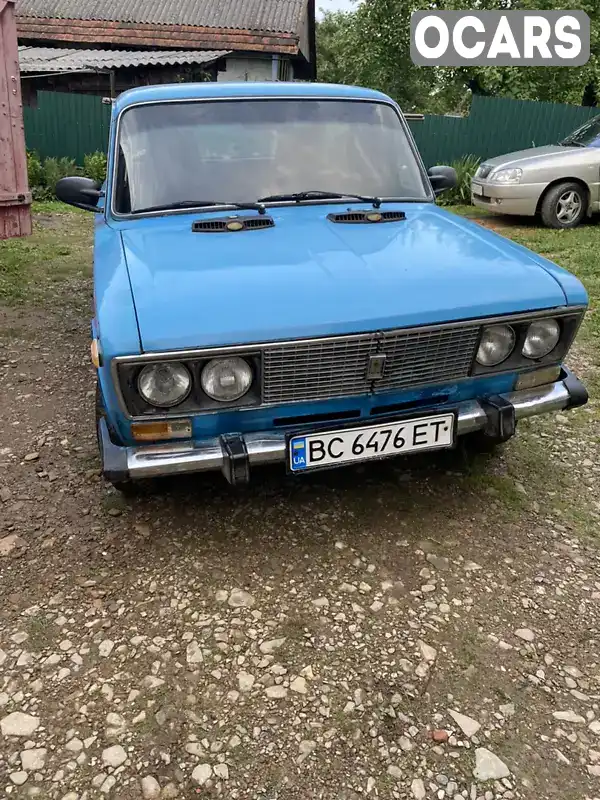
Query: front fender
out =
(115, 322)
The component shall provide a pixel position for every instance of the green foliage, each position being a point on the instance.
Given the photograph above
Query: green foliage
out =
(371, 47)
(55, 169)
(35, 171)
(94, 166)
(45, 173)
(461, 195)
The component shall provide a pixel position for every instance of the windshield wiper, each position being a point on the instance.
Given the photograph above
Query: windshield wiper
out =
(318, 194)
(568, 143)
(201, 203)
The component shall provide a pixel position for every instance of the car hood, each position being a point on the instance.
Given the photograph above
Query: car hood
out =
(308, 276)
(539, 156)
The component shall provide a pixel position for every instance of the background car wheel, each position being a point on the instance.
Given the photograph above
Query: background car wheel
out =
(564, 205)
(125, 487)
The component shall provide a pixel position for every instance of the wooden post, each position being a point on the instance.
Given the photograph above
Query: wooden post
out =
(15, 198)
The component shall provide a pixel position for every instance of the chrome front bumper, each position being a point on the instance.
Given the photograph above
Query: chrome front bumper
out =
(234, 455)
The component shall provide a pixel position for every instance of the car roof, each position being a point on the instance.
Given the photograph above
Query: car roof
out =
(208, 90)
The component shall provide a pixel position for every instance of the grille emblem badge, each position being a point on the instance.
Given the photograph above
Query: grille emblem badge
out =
(376, 367)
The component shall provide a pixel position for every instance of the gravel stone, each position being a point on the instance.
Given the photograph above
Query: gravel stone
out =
(488, 767)
(428, 653)
(299, 685)
(114, 756)
(106, 647)
(34, 759)
(194, 653)
(467, 725)
(526, 634)
(150, 788)
(221, 771)
(202, 773)
(272, 645)
(19, 724)
(245, 681)
(238, 598)
(276, 692)
(568, 716)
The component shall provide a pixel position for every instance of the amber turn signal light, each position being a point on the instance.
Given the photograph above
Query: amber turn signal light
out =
(95, 353)
(538, 377)
(155, 431)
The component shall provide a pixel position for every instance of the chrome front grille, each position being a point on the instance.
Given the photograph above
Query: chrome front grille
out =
(337, 366)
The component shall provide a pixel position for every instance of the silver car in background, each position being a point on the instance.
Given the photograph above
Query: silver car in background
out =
(559, 183)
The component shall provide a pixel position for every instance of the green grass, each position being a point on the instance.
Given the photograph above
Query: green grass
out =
(59, 249)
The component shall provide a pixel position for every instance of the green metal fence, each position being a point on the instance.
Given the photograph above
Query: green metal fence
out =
(496, 125)
(74, 125)
(64, 124)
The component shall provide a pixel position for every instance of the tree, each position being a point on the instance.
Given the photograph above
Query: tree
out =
(335, 46)
(371, 46)
(575, 85)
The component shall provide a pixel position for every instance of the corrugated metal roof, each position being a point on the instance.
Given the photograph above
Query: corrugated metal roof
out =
(281, 16)
(59, 59)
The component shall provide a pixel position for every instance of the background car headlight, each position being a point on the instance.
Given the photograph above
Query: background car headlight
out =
(542, 337)
(164, 384)
(497, 343)
(506, 176)
(226, 379)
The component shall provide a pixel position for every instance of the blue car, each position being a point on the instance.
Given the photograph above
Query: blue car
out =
(274, 283)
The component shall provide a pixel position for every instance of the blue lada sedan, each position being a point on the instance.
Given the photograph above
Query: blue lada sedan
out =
(274, 283)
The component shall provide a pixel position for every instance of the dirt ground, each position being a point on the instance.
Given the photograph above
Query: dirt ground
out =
(424, 628)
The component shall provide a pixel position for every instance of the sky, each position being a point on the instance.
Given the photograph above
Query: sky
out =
(335, 5)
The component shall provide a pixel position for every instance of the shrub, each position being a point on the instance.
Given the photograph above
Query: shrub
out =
(94, 166)
(461, 195)
(44, 174)
(55, 169)
(35, 171)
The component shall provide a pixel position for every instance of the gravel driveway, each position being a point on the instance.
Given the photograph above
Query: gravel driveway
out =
(424, 628)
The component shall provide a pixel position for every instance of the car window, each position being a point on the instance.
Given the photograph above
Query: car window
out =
(240, 150)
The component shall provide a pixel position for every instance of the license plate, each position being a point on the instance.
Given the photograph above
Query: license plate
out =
(476, 188)
(331, 448)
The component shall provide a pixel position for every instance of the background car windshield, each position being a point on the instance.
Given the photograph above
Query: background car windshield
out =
(241, 150)
(587, 135)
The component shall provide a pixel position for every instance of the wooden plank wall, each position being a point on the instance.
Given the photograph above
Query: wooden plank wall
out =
(15, 199)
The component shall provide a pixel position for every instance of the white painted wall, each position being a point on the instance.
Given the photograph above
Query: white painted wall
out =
(239, 68)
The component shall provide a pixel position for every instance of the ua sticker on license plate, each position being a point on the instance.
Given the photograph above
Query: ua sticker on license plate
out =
(331, 448)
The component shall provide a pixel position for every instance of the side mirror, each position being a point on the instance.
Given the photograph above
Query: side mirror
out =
(442, 179)
(80, 192)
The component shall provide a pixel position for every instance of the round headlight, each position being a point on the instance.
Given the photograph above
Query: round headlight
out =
(497, 343)
(164, 384)
(226, 379)
(542, 337)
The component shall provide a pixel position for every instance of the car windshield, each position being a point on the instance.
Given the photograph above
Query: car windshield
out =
(588, 135)
(236, 151)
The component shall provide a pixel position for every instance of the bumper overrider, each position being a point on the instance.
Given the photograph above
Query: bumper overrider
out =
(234, 454)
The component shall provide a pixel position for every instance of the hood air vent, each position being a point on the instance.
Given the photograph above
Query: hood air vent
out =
(232, 224)
(366, 217)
